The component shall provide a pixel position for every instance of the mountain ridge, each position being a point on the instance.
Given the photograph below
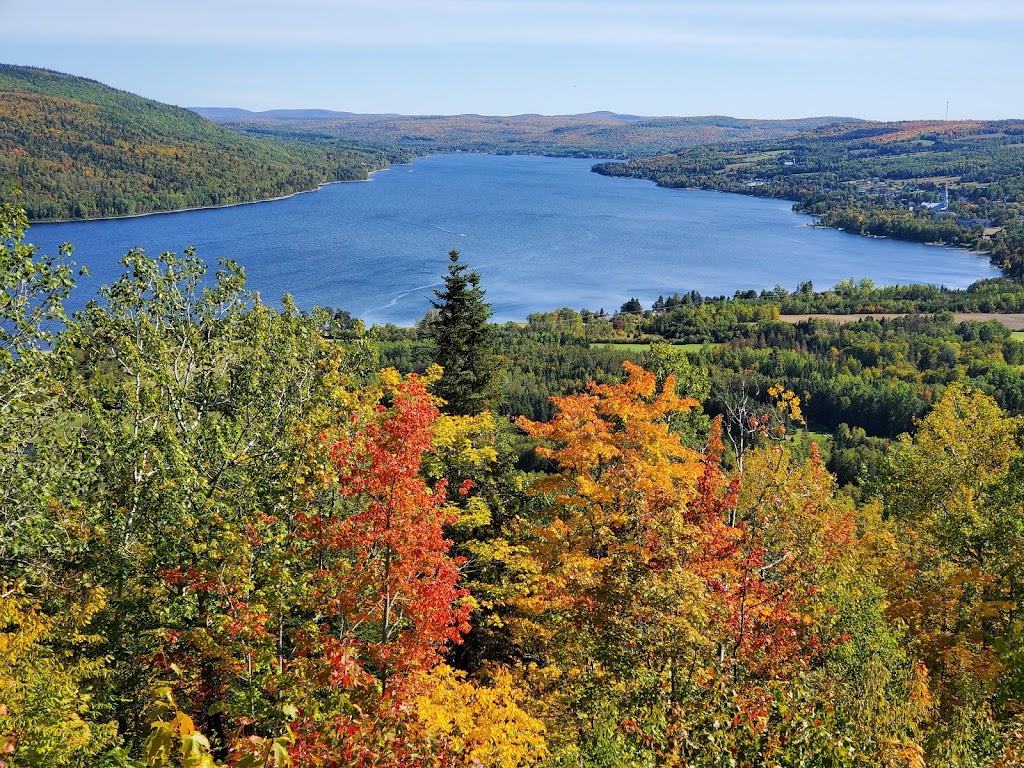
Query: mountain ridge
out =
(78, 149)
(593, 134)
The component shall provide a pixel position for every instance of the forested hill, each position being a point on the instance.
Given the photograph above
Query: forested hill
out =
(79, 149)
(882, 179)
(596, 134)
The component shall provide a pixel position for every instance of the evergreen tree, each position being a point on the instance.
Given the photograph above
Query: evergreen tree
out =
(463, 342)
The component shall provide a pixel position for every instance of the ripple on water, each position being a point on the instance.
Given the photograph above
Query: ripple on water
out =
(543, 232)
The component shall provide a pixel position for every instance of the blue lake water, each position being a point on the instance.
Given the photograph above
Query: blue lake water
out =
(543, 232)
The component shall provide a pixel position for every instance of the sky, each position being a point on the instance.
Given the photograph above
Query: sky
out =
(875, 59)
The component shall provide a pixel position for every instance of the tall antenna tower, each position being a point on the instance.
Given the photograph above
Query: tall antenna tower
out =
(947, 110)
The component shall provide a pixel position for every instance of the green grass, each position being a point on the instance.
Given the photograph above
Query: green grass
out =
(645, 347)
(622, 347)
(692, 347)
(817, 435)
(1017, 335)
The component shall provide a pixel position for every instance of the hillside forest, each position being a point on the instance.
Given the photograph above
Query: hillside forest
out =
(241, 535)
(78, 149)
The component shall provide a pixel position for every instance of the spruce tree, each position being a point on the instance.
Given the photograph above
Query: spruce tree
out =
(463, 342)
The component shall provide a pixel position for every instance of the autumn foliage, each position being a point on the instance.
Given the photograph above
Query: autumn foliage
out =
(230, 541)
(669, 591)
(386, 578)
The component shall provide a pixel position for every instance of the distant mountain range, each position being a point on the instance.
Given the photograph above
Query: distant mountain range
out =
(594, 134)
(235, 113)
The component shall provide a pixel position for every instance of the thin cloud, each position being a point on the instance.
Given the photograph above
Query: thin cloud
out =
(760, 26)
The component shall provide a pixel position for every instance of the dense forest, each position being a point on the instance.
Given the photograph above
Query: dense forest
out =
(233, 536)
(874, 377)
(77, 149)
(882, 179)
(599, 134)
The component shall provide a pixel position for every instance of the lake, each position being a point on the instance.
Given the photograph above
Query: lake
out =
(543, 232)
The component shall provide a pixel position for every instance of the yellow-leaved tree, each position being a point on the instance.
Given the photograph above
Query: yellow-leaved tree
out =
(953, 493)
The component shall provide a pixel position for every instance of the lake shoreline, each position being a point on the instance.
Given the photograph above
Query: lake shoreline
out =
(542, 232)
(817, 224)
(33, 222)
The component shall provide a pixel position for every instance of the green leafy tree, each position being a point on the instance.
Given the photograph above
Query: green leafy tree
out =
(953, 492)
(664, 360)
(33, 288)
(47, 717)
(190, 391)
(463, 344)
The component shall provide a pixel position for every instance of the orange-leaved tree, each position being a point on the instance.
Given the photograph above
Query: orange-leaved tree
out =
(612, 609)
(665, 598)
(383, 602)
(381, 590)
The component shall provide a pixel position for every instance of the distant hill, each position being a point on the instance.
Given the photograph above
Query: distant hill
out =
(921, 156)
(595, 134)
(234, 113)
(605, 115)
(80, 149)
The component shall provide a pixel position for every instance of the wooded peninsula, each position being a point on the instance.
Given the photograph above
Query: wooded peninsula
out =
(958, 183)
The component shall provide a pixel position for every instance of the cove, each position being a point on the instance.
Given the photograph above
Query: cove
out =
(543, 232)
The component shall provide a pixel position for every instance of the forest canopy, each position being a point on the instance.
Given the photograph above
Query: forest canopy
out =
(232, 537)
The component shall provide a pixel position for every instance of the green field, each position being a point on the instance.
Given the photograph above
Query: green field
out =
(693, 347)
(645, 347)
(1017, 335)
(816, 433)
(621, 347)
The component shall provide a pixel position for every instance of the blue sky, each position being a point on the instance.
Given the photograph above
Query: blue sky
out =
(883, 59)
